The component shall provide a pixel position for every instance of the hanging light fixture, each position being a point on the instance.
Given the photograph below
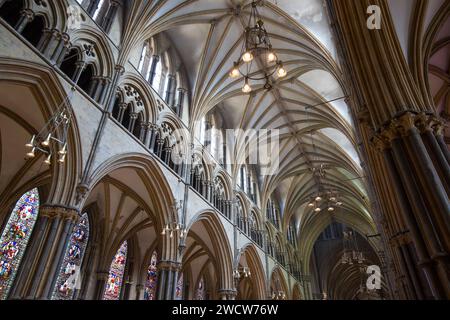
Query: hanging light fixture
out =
(52, 136)
(257, 49)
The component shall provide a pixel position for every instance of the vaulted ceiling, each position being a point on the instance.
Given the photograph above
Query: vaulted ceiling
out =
(208, 37)
(308, 107)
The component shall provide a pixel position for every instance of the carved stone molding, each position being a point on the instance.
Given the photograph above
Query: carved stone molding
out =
(169, 266)
(404, 125)
(54, 211)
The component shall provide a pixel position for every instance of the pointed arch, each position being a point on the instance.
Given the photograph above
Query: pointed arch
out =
(221, 249)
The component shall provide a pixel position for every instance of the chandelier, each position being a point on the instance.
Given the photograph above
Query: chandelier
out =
(257, 49)
(42, 142)
(330, 198)
(243, 272)
(175, 229)
(278, 295)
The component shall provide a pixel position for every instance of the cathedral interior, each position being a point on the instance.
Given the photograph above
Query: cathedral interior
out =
(224, 149)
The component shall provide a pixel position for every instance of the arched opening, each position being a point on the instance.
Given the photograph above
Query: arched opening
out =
(127, 117)
(278, 286)
(116, 108)
(207, 256)
(10, 11)
(34, 30)
(86, 78)
(249, 276)
(69, 65)
(138, 126)
(130, 201)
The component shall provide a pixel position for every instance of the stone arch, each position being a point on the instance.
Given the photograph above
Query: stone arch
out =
(253, 261)
(148, 100)
(278, 284)
(159, 192)
(318, 224)
(220, 247)
(48, 94)
(104, 60)
(226, 181)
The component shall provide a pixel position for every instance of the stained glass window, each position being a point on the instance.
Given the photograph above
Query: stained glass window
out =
(15, 238)
(69, 275)
(152, 278)
(180, 286)
(116, 273)
(200, 293)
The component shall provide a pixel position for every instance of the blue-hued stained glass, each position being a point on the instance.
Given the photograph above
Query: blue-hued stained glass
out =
(69, 279)
(152, 278)
(14, 239)
(179, 288)
(116, 273)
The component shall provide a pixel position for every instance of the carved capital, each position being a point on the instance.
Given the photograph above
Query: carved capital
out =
(123, 105)
(82, 191)
(438, 126)
(120, 69)
(424, 122)
(169, 266)
(405, 124)
(61, 212)
(28, 14)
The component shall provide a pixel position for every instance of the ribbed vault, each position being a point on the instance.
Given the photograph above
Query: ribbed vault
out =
(312, 130)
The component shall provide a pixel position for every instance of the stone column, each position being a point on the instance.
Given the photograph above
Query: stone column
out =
(27, 15)
(145, 133)
(41, 266)
(167, 279)
(151, 137)
(398, 109)
(227, 294)
(59, 57)
(139, 289)
(54, 51)
(160, 144)
(122, 107)
(102, 278)
(133, 118)
(102, 90)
